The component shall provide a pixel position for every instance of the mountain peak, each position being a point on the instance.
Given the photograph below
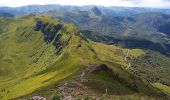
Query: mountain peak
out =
(96, 11)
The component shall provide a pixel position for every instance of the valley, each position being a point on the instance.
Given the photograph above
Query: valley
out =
(84, 53)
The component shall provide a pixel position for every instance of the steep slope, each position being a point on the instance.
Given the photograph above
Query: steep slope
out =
(148, 26)
(40, 56)
(96, 11)
(153, 66)
(24, 54)
(132, 32)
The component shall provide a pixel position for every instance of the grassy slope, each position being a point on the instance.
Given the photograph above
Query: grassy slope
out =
(164, 88)
(152, 66)
(24, 54)
(27, 63)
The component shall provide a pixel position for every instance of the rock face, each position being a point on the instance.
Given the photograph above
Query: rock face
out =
(53, 33)
(49, 30)
(104, 67)
(96, 11)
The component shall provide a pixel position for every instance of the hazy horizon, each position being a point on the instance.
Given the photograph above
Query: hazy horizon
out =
(106, 3)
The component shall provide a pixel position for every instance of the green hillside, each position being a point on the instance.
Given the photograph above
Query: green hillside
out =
(144, 30)
(164, 88)
(39, 55)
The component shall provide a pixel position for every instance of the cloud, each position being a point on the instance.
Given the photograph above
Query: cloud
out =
(149, 3)
(132, 1)
(155, 3)
(126, 3)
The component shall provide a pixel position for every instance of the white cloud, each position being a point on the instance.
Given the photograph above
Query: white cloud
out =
(154, 3)
(127, 3)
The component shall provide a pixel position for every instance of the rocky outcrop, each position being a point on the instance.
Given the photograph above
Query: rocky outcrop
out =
(53, 33)
(96, 11)
(49, 30)
(104, 68)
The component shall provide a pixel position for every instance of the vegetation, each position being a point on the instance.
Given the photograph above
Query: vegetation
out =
(40, 54)
(136, 31)
(152, 66)
(26, 60)
(165, 88)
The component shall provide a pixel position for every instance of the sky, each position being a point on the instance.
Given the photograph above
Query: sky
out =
(125, 3)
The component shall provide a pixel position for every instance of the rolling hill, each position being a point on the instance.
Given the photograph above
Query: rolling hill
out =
(42, 56)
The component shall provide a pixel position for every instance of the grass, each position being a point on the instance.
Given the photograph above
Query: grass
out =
(128, 97)
(112, 53)
(163, 87)
(103, 80)
(31, 84)
(137, 52)
(28, 63)
(152, 66)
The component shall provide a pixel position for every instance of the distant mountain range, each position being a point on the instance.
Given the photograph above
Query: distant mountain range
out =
(125, 26)
(88, 52)
(111, 11)
(133, 31)
(38, 52)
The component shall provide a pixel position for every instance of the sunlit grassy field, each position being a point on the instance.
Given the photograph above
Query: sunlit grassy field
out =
(28, 63)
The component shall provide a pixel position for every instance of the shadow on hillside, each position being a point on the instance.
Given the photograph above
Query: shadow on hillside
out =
(131, 43)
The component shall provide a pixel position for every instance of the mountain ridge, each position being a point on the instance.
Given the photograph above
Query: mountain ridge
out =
(111, 11)
(38, 65)
(140, 28)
